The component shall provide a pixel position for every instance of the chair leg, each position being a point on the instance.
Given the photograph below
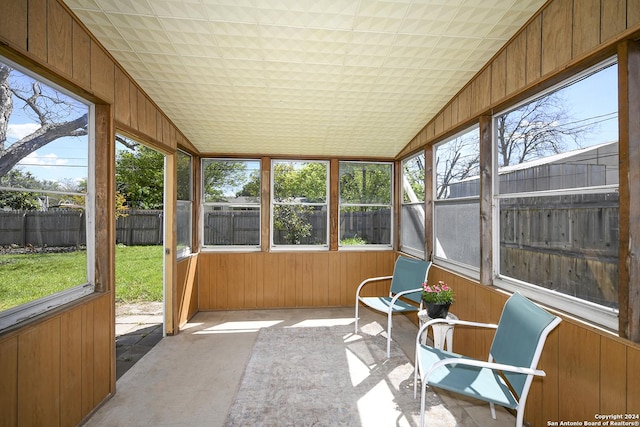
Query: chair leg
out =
(520, 416)
(389, 326)
(493, 410)
(422, 403)
(415, 376)
(356, 331)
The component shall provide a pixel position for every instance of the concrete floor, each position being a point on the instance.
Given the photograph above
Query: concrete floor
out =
(167, 386)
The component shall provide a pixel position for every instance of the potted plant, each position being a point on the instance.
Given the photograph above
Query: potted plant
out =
(437, 299)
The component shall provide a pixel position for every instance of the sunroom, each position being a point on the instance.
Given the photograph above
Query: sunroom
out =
(307, 145)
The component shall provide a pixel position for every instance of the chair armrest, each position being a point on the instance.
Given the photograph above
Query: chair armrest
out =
(452, 322)
(483, 364)
(399, 294)
(370, 280)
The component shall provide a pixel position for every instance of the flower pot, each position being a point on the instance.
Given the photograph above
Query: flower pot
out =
(437, 310)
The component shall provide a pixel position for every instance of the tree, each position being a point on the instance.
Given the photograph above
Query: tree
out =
(140, 177)
(457, 160)
(537, 129)
(220, 176)
(27, 199)
(362, 183)
(413, 176)
(56, 115)
(295, 185)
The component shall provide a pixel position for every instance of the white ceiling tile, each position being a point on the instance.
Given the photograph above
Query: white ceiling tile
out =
(190, 9)
(141, 7)
(302, 77)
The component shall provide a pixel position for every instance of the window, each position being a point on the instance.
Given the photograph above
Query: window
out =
(231, 203)
(299, 191)
(557, 195)
(183, 238)
(457, 202)
(46, 196)
(412, 236)
(366, 193)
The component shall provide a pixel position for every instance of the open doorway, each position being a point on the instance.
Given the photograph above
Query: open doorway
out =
(140, 217)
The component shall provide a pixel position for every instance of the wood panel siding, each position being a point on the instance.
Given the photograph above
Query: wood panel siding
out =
(81, 71)
(55, 369)
(592, 366)
(13, 23)
(614, 18)
(102, 73)
(59, 39)
(586, 32)
(557, 24)
(287, 279)
(499, 77)
(122, 98)
(516, 64)
(187, 292)
(534, 50)
(37, 29)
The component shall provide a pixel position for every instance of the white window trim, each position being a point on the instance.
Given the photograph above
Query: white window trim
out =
(227, 248)
(598, 314)
(372, 246)
(458, 267)
(272, 203)
(39, 306)
(42, 305)
(420, 203)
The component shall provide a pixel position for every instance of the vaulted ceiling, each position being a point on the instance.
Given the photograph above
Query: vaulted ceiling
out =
(354, 78)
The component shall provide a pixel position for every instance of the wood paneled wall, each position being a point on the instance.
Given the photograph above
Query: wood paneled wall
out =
(589, 371)
(187, 288)
(55, 369)
(287, 279)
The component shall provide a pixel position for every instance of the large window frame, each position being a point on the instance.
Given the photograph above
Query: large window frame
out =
(365, 203)
(36, 307)
(248, 204)
(412, 206)
(299, 206)
(456, 202)
(599, 314)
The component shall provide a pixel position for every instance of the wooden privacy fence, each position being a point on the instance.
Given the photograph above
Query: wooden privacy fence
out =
(243, 227)
(43, 228)
(566, 243)
(68, 228)
(140, 227)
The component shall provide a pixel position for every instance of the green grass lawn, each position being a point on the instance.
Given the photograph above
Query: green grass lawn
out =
(26, 277)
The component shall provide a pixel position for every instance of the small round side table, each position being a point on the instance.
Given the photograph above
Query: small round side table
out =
(442, 332)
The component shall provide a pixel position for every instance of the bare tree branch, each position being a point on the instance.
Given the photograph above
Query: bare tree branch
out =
(48, 108)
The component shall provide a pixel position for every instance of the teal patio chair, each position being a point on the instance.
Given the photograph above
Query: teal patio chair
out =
(506, 378)
(407, 279)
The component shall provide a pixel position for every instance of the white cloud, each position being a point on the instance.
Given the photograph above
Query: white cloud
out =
(19, 131)
(34, 159)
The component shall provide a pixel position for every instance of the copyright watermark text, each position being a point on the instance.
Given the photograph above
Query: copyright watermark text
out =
(601, 420)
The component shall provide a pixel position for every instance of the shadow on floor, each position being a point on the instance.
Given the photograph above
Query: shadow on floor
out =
(138, 330)
(132, 346)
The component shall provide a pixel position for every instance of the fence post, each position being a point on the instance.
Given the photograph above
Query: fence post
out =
(24, 229)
